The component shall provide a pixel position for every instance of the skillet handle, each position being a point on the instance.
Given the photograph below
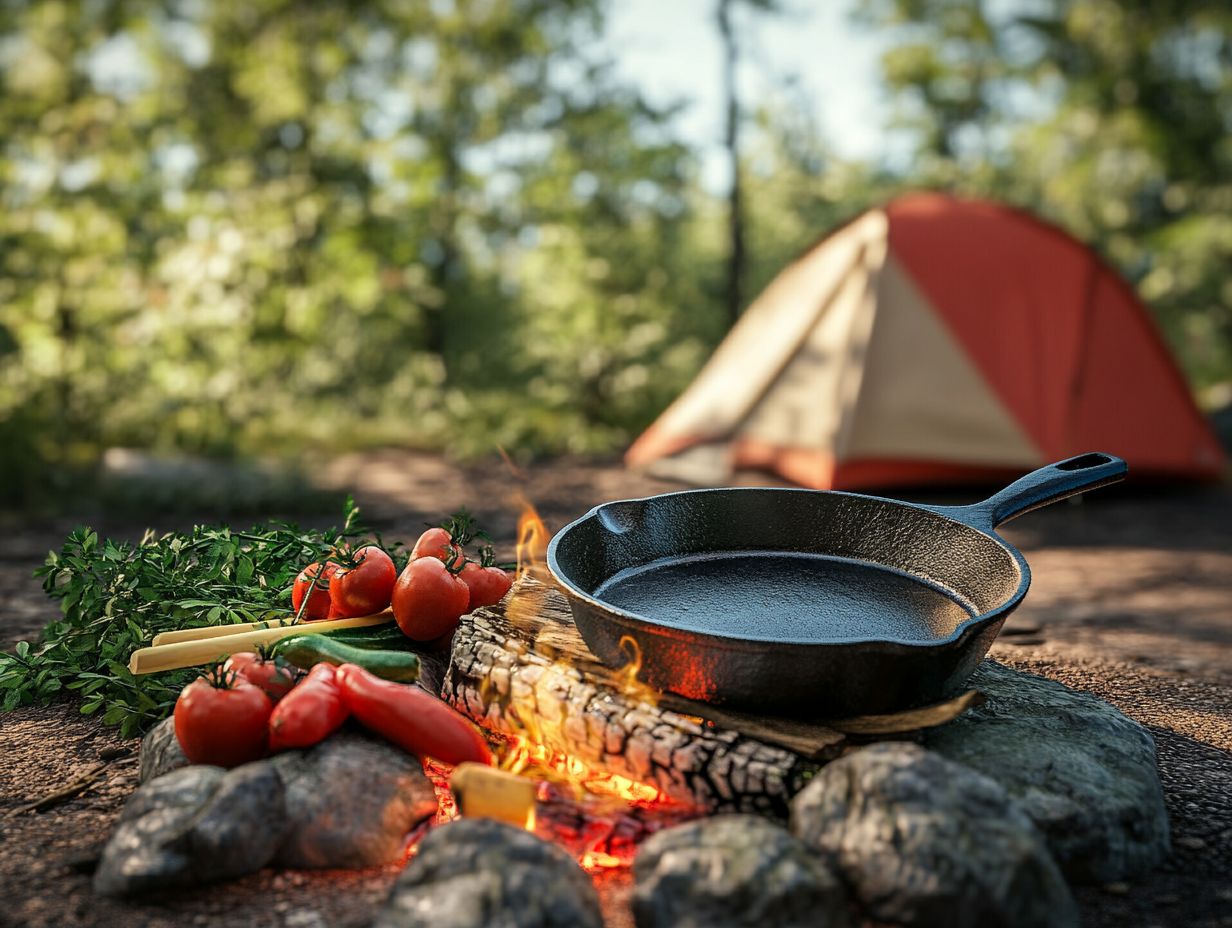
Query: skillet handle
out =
(1040, 488)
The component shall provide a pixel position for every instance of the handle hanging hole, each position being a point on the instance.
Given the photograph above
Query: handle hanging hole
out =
(1083, 461)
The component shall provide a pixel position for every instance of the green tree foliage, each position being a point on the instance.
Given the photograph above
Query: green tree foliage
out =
(231, 225)
(1111, 118)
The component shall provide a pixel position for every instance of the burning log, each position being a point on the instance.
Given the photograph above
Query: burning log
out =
(522, 670)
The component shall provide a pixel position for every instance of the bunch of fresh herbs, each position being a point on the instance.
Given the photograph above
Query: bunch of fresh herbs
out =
(114, 597)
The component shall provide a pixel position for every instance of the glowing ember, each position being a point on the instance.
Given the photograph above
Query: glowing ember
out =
(446, 807)
(597, 860)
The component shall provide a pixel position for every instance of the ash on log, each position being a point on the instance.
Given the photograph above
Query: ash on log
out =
(522, 669)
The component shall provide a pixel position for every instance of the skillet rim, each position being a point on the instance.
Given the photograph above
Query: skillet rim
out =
(748, 642)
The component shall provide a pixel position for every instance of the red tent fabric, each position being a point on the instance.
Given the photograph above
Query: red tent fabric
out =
(1066, 353)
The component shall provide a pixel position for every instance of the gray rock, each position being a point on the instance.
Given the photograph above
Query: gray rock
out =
(479, 873)
(194, 825)
(350, 802)
(921, 840)
(1081, 770)
(734, 871)
(160, 751)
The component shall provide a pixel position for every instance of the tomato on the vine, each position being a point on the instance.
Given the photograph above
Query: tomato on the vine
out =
(222, 719)
(428, 600)
(365, 588)
(487, 585)
(274, 675)
(437, 543)
(314, 582)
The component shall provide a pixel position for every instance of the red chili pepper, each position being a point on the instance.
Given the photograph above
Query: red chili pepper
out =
(310, 713)
(412, 719)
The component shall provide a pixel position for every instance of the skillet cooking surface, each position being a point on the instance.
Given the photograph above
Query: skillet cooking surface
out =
(787, 596)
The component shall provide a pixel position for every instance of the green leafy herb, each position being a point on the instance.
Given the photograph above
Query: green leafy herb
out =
(462, 528)
(115, 596)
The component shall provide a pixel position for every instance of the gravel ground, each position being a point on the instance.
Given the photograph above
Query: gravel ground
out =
(1132, 601)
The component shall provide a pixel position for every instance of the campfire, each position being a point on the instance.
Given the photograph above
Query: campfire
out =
(591, 757)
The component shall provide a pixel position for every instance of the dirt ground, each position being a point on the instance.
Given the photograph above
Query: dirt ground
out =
(1131, 601)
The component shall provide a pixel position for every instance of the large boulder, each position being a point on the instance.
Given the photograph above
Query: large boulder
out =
(923, 841)
(350, 802)
(1081, 770)
(734, 871)
(194, 825)
(480, 873)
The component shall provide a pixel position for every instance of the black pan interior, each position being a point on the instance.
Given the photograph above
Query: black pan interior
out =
(788, 565)
(786, 595)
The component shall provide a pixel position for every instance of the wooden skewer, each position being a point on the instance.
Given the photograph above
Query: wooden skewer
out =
(213, 631)
(205, 650)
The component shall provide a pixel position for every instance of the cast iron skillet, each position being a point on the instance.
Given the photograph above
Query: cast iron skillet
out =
(803, 602)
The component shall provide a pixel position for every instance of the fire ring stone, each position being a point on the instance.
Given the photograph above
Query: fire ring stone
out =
(734, 871)
(475, 873)
(921, 840)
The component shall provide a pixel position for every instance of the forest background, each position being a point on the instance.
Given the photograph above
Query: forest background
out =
(237, 228)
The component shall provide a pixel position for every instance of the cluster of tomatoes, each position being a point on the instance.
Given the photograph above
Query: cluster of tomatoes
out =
(255, 704)
(439, 585)
(252, 705)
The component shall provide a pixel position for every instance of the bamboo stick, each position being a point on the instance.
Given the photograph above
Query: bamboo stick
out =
(213, 631)
(218, 631)
(206, 650)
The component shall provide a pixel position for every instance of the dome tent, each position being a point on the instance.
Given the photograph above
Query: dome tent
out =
(935, 340)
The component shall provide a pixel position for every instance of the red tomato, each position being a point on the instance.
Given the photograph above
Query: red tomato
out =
(437, 543)
(319, 604)
(488, 585)
(365, 588)
(310, 713)
(222, 720)
(275, 676)
(428, 600)
(412, 719)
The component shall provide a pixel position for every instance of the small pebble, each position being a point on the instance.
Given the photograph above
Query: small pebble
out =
(304, 918)
(1190, 842)
(1116, 889)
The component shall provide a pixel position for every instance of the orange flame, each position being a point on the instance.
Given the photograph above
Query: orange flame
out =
(628, 675)
(532, 540)
(533, 757)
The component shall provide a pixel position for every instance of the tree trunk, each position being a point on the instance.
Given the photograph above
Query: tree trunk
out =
(733, 293)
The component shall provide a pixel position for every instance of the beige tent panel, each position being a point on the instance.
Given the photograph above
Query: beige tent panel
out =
(897, 414)
(708, 464)
(770, 332)
(808, 404)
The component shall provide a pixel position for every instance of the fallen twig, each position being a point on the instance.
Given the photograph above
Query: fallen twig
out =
(63, 793)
